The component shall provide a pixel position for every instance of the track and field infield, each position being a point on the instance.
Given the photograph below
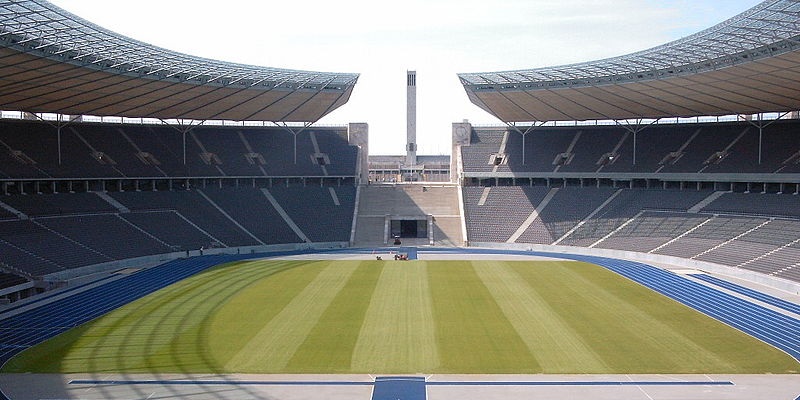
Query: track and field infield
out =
(395, 317)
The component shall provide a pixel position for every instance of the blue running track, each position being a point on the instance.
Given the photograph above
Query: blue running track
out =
(29, 328)
(24, 330)
(34, 326)
(753, 294)
(399, 388)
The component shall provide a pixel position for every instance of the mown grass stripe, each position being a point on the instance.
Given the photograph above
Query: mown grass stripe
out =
(472, 334)
(191, 348)
(398, 334)
(275, 344)
(554, 343)
(329, 345)
(624, 321)
(141, 336)
(200, 324)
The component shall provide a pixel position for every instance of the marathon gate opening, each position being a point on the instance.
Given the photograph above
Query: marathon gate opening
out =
(417, 229)
(409, 228)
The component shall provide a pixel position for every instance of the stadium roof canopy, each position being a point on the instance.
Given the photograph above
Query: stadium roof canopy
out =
(55, 62)
(746, 65)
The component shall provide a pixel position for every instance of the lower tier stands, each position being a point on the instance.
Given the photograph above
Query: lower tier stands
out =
(323, 213)
(756, 203)
(754, 231)
(191, 204)
(9, 280)
(562, 213)
(90, 228)
(499, 211)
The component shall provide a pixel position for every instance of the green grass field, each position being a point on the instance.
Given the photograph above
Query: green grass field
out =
(404, 317)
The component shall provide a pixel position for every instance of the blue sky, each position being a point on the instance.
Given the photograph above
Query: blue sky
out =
(381, 40)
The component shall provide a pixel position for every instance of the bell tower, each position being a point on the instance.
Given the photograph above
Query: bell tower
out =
(411, 118)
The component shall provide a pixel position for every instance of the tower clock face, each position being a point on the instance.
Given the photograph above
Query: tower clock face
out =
(461, 132)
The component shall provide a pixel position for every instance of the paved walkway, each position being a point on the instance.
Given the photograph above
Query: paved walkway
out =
(436, 387)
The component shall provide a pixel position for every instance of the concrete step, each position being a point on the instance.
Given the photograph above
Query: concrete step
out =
(369, 231)
(447, 232)
(408, 201)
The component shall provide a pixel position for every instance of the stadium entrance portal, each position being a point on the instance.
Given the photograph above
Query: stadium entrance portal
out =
(409, 230)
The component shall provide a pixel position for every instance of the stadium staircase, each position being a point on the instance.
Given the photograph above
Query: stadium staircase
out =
(377, 202)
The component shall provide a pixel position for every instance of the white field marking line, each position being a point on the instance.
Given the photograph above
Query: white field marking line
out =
(678, 379)
(107, 377)
(641, 389)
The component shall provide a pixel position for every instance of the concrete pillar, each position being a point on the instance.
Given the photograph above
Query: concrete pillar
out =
(431, 239)
(462, 133)
(387, 223)
(358, 135)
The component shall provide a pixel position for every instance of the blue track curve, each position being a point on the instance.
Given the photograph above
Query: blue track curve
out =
(24, 330)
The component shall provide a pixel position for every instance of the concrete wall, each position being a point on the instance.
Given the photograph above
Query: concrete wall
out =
(75, 274)
(358, 135)
(462, 134)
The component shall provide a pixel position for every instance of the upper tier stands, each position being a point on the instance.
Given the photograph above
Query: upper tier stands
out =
(660, 148)
(30, 151)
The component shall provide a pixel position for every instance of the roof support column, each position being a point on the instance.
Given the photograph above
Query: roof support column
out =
(294, 133)
(184, 128)
(530, 129)
(635, 129)
(58, 134)
(759, 123)
(60, 123)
